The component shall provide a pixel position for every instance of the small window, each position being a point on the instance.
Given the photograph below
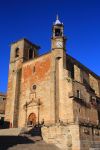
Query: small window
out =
(30, 53)
(58, 32)
(33, 69)
(86, 131)
(78, 94)
(93, 100)
(4, 98)
(17, 52)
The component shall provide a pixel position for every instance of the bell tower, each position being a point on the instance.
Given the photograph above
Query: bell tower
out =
(58, 41)
(21, 51)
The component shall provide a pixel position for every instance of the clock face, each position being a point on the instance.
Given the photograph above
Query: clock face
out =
(59, 44)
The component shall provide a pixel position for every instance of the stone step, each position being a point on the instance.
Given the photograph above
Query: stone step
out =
(35, 138)
(10, 132)
(41, 145)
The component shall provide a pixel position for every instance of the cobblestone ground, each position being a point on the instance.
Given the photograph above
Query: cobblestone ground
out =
(24, 143)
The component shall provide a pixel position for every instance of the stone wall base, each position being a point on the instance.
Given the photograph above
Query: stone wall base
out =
(62, 136)
(68, 137)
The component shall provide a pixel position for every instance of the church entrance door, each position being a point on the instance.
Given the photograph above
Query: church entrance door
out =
(32, 119)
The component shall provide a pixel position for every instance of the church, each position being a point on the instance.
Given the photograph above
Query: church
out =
(54, 89)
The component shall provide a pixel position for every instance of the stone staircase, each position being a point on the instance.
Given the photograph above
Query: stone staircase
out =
(23, 139)
(41, 145)
(10, 132)
(31, 133)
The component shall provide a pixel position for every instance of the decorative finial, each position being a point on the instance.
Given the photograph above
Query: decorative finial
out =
(57, 17)
(57, 20)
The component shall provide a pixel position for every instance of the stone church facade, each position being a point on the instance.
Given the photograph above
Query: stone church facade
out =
(56, 89)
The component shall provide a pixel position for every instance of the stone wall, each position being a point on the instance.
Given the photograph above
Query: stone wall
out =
(66, 110)
(65, 137)
(71, 136)
(99, 86)
(94, 84)
(85, 77)
(77, 75)
(89, 137)
(2, 106)
(43, 88)
(15, 64)
(41, 78)
(13, 92)
(83, 109)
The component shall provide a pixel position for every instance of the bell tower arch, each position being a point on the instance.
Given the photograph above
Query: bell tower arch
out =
(58, 40)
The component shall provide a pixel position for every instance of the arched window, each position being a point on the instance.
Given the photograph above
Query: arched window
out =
(78, 94)
(58, 32)
(17, 52)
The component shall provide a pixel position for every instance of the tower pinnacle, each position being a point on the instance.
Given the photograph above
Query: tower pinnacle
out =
(57, 17)
(58, 38)
(57, 20)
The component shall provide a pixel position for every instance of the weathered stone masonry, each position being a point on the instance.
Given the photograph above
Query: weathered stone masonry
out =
(54, 88)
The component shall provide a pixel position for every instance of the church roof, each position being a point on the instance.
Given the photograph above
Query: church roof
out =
(38, 47)
(57, 22)
(74, 61)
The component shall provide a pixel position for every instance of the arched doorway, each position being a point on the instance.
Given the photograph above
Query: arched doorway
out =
(32, 119)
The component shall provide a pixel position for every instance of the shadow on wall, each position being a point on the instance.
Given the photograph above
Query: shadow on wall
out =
(4, 124)
(35, 131)
(9, 141)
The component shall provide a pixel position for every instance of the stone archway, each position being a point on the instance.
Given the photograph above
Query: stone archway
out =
(32, 119)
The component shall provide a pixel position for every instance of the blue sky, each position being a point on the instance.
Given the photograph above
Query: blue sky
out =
(33, 20)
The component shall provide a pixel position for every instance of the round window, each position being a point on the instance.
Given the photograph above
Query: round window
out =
(34, 87)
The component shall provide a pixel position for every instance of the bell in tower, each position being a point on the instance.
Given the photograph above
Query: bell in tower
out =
(58, 39)
(58, 28)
